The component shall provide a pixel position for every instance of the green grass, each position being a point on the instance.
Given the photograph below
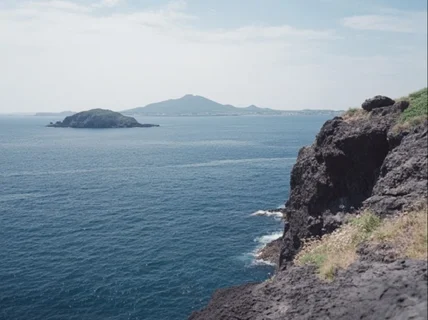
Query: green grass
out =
(366, 223)
(418, 105)
(414, 115)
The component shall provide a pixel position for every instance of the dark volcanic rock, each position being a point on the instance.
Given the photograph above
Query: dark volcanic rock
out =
(403, 175)
(99, 118)
(271, 251)
(367, 290)
(357, 163)
(377, 102)
(336, 174)
(350, 165)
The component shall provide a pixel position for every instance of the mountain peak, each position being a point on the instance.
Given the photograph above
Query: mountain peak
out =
(191, 104)
(192, 96)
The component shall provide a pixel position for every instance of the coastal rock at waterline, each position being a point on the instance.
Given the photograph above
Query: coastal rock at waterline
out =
(270, 252)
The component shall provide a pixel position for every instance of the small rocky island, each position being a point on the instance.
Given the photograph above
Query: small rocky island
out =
(99, 119)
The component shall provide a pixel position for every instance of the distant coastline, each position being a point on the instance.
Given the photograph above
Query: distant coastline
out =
(198, 106)
(281, 113)
(55, 114)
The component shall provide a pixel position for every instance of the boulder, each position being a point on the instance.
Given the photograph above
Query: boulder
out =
(377, 102)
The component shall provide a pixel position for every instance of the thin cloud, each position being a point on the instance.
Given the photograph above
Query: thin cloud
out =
(171, 19)
(107, 3)
(65, 56)
(404, 22)
(56, 5)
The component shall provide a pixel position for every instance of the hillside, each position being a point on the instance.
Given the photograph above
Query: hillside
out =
(193, 105)
(99, 119)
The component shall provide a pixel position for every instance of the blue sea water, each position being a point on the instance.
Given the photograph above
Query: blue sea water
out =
(138, 223)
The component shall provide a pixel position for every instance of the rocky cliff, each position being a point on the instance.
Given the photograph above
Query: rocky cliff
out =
(357, 162)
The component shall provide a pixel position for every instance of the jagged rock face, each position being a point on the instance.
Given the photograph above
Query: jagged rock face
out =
(339, 171)
(403, 176)
(353, 164)
(377, 102)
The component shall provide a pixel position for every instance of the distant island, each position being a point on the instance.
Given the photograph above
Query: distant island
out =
(99, 119)
(193, 105)
(54, 114)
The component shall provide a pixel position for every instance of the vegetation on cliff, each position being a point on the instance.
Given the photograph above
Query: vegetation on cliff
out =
(401, 236)
(413, 116)
(418, 105)
(417, 111)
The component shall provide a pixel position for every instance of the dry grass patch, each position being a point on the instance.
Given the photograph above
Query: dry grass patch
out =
(354, 114)
(407, 125)
(338, 249)
(406, 233)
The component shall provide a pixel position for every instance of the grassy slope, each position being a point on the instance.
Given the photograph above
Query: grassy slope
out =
(414, 115)
(418, 105)
(406, 234)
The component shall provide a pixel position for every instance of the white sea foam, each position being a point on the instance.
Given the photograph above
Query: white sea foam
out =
(258, 262)
(264, 240)
(267, 213)
(216, 163)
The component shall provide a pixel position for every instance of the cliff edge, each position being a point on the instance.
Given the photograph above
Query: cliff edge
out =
(371, 163)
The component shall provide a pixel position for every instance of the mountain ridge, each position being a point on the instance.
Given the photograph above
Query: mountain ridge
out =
(191, 104)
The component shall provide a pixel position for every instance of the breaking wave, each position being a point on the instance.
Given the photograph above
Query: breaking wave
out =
(267, 213)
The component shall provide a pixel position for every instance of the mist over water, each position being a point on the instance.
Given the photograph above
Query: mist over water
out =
(138, 223)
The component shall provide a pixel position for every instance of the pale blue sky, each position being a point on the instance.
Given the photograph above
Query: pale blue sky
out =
(285, 54)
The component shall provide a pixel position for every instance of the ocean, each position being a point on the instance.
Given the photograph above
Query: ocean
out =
(140, 223)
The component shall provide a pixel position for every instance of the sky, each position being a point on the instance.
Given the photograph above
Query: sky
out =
(75, 55)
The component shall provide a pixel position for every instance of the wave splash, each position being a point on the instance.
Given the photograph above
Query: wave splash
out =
(262, 242)
(268, 213)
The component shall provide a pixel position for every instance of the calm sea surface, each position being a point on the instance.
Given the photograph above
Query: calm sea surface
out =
(138, 223)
